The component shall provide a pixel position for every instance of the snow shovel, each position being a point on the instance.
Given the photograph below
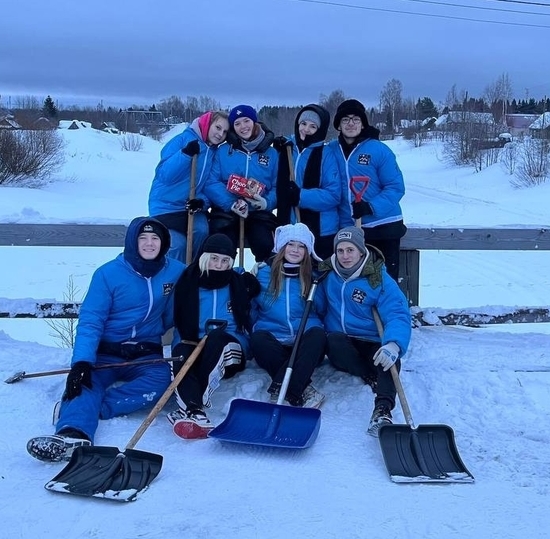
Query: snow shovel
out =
(358, 185)
(107, 472)
(190, 214)
(273, 425)
(419, 454)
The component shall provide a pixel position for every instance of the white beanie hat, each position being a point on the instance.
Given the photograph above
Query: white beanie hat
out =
(297, 232)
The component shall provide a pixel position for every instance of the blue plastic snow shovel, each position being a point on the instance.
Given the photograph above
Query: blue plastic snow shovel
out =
(273, 425)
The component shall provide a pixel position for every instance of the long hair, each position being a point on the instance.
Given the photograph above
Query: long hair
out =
(276, 278)
(217, 115)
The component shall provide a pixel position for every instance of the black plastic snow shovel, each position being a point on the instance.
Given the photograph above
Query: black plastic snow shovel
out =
(419, 454)
(107, 472)
(273, 425)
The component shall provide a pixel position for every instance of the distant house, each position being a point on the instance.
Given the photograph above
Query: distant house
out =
(458, 117)
(8, 122)
(110, 127)
(540, 128)
(43, 123)
(74, 124)
(518, 124)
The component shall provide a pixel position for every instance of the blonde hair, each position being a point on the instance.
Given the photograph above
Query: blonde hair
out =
(205, 259)
(219, 115)
(276, 278)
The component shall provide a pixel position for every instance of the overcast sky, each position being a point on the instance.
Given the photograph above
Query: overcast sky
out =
(269, 52)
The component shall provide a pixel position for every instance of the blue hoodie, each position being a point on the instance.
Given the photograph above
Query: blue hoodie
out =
(121, 304)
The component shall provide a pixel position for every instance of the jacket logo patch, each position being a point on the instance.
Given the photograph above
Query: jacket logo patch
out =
(364, 159)
(263, 160)
(167, 288)
(358, 295)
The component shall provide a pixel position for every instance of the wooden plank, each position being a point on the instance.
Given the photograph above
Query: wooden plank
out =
(62, 235)
(475, 239)
(478, 239)
(409, 275)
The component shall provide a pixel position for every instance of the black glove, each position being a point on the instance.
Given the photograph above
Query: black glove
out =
(79, 375)
(193, 148)
(194, 205)
(293, 194)
(361, 208)
(279, 143)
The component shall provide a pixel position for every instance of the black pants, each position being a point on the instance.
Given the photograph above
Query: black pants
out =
(192, 387)
(324, 246)
(259, 228)
(273, 356)
(355, 356)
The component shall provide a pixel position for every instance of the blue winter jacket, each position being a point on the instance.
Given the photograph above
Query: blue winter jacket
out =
(216, 303)
(122, 305)
(346, 305)
(324, 199)
(281, 317)
(172, 182)
(231, 159)
(373, 159)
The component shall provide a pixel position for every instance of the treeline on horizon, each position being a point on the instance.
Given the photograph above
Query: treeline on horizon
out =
(496, 99)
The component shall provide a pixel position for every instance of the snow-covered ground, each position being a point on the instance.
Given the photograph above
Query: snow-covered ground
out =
(491, 385)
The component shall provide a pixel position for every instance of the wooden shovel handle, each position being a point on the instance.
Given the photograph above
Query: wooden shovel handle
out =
(394, 374)
(191, 216)
(292, 177)
(167, 394)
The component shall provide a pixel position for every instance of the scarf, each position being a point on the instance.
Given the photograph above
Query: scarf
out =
(312, 180)
(186, 298)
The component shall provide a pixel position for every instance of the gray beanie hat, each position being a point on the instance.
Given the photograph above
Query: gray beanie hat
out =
(310, 116)
(352, 234)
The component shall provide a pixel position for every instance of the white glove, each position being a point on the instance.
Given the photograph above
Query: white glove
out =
(258, 202)
(386, 355)
(257, 267)
(240, 207)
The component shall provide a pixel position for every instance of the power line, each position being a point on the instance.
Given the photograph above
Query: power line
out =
(432, 15)
(523, 2)
(433, 2)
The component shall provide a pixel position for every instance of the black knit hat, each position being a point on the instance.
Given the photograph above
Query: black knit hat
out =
(220, 244)
(154, 227)
(348, 107)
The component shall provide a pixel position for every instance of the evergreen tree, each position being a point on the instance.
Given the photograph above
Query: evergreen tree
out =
(49, 110)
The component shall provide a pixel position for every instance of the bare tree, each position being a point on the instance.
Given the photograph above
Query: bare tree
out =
(331, 102)
(498, 93)
(390, 98)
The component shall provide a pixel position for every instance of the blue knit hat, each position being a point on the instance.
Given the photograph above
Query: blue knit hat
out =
(242, 111)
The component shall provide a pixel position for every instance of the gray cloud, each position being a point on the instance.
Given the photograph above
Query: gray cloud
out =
(263, 51)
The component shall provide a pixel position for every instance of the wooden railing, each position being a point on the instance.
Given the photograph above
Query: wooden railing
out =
(416, 240)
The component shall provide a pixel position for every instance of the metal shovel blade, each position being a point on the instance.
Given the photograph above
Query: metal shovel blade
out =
(271, 425)
(107, 472)
(425, 454)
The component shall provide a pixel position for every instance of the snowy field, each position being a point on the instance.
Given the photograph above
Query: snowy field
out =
(491, 385)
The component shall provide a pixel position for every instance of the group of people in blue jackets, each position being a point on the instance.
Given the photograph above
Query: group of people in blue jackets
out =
(323, 211)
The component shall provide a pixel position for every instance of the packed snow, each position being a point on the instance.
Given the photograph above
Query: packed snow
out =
(491, 385)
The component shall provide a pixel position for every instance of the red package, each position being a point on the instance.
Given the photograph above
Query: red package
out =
(244, 187)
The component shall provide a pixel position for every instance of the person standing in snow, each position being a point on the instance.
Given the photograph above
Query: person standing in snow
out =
(247, 153)
(210, 298)
(277, 311)
(316, 191)
(357, 284)
(364, 161)
(126, 311)
(169, 200)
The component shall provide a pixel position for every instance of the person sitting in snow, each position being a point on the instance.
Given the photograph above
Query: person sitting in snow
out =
(126, 311)
(210, 298)
(169, 200)
(357, 284)
(277, 312)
